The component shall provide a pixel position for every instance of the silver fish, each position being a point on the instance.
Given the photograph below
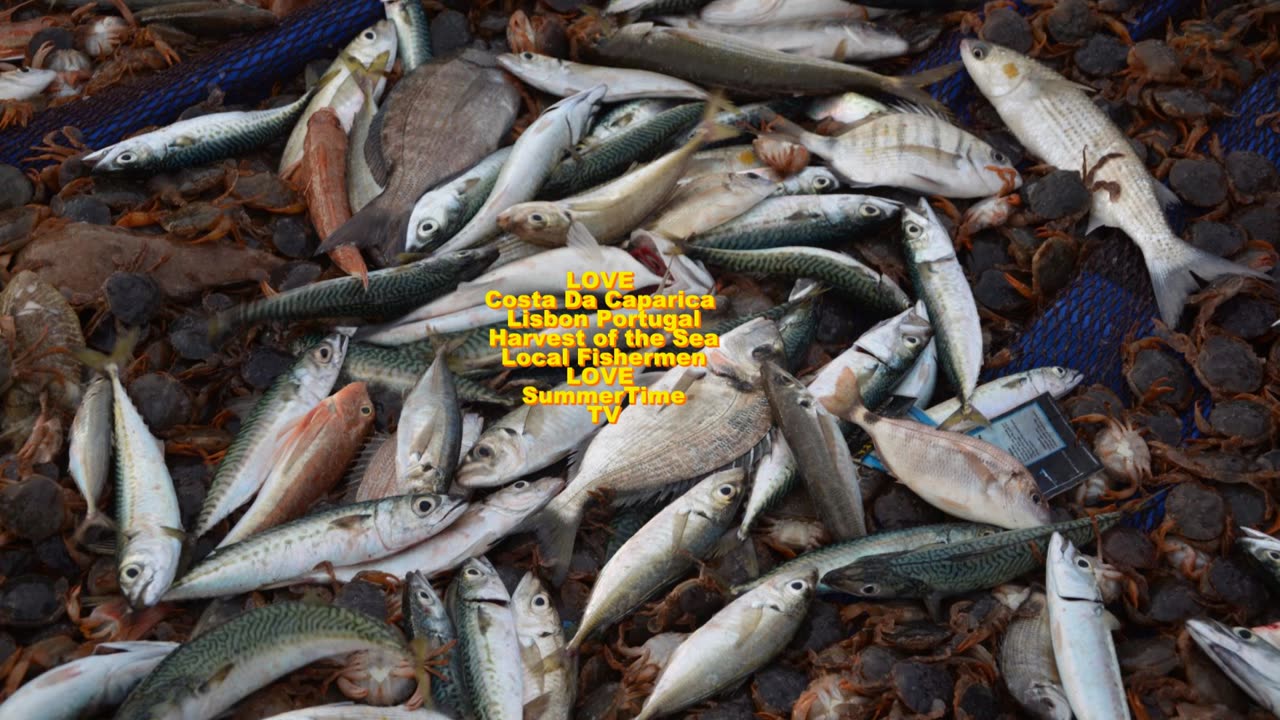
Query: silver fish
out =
(443, 211)
(765, 12)
(1059, 123)
(846, 108)
(844, 40)
(550, 673)
(1250, 661)
(772, 479)
(563, 78)
(1264, 549)
(89, 450)
(662, 550)
(481, 610)
(84, 687)
(25, 83)
(734, 643)
(878, 358)
(1027, 663)
(413, 33)
(621, 117)
(429, 622)
(430, 431)
(352, 711)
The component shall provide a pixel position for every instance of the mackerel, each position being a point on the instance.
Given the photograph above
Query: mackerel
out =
(481, 611)
(429, 432)
(247, 461)
(550, 674)
(85, 687)
(563, 78)
(619, 117)
(821, 220)
(443, 211)
(413, 32)
(1250, 660)
(429, 622)
(1264, 549)
(398, 369)
(879, 359)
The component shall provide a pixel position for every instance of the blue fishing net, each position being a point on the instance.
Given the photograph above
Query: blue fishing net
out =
(244, 69)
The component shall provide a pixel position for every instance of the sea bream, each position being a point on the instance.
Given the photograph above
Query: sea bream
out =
(1054, 119)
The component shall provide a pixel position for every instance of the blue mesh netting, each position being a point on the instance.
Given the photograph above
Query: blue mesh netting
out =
(245, 69)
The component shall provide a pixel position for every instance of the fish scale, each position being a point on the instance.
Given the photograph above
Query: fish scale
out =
(820, 220)
(244, 69)
(487, 642)
(429, 621)
(398, 368)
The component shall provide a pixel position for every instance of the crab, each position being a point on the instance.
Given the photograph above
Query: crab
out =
(1052, 266)
(790, 536)
(376, 677)
(830, 697)
(645, 664)
(199, 221)
(114, 620)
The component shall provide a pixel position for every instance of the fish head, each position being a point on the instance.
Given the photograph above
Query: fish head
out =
(127, 155)
(406, 516)
(473, 261)
(429, 221)
(996, 70)
(1249, 659)
(542, 222)
(523, 498)
(924, 236)
(991, 169)
(25, 82)
(533, 607)
(1025, 503)
(1262, 547)
(1070, 573)
(147, 568)
(498, 456)
(373, 41)
(718, 495)
(524, 63)
(1056, 380)
(874, 209)
(1049, 701)
(814, 180)
(577, 110)
(478, 581)
(744, 349)
(354, 406)
(874, 579)
(790, 594)
(317, 370)
(424, 604)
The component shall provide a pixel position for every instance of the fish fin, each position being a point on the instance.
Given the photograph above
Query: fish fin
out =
(361, 464)
(1167, 197)
(780, 128)
(556, 529)
(575, 458)
(1111, 622)
(581, 239)
(1174, 272)
(925, 78)
(537, 707)
(216, 678)
(175, 533)
(964, 415)
(292, 430)
(95, 518)
(364, 229)
(351, 522)
(1095, 222)
(242, 405)
(119, 357)
(912, 108)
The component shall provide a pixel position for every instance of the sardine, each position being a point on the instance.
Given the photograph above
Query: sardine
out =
(821, 453)
(771, 480)
(1027, 663)
(429, 432)
(413, 32)
(249, 458)
(563, 78)
(1081, 630)
(998, 397)
(734, 643)
(481, 611)
(438, 121)
(725, 414)
(1250, 661)
(208, 675)
(682, 533)
(89, 449)
(344, 535)
(442, 212)
(821, 220)
(85, 687)
(429, 622)
(1054, 119)
(913, 150)
(533, 157)
(389, 292)
(940, 282)
(550, 674)
(318, 451)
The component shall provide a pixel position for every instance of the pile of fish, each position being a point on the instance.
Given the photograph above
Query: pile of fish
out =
(391, 505)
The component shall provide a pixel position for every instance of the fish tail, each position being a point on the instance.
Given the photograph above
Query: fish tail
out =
(925, 78)
(364, 229)
(965, 416)
(1174, 273)
(95, 518)
(119, 357)
(557, 526)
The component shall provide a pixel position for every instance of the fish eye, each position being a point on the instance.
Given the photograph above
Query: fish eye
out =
(1243, 633)
(1036, 498)
(979, 52)
(526, 55)
(483, 451)
(520, 485)
(540, 601)
(797, 585)
(368, 35)
(126, 158)
(24, 69)
(423, 596)
(911, 340)
(538, 218)
(805, 403)
(869, 211)
(822, 182)
(1082, 563)
(1274, 555)
(428, 227)
(913, 229)
(472, 572)
(366, 410)
(999, 157)
(870, 589)
(1060, 371)
(762, 351)
(726, 490)
(324, 353)
(131, 572)
(425, 505)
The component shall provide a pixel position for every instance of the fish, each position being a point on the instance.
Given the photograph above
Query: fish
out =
(481, 526)
(362, 186)
(25, 83)
(710, 200)
(1251, 661)
(940, 282)
(616, 7)
(660, 552)
(429, 432)
(563, 78)
(725, 410)
(442, 212)
(324, 151)
(1059, 123)
(413, 32)
(429, 622)
(85, 687)
(212, 672)
(533, 157)
(917, 151)
(812, 180)
(353, 711)
(735, 642)
(819, 220)
(623, 116)
(1027, 663)
(150, 532)
(771, 480)
(248, 460)
(934, 573)
(89, 447)
(1264, 549)
(550, 674)
(958, 474)
(995, 398)
(471, 109)
(886, 542)
(398, 369)
(389, 292)
(373, 47)
(318, 451)
(872, 290)
(843, 40)
(344, 535)
(845, 108)
(480, 607)
(200, 140)
(768, 12)
(1081, 630)
(715, 60)
(820, 451)
(879, 358)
